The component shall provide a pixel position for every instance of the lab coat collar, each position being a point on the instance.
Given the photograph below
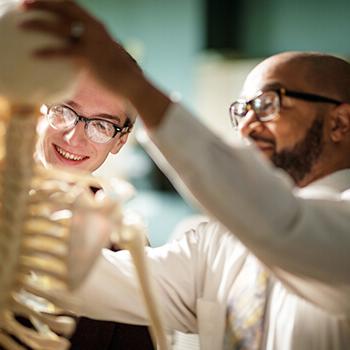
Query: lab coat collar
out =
(334, 183)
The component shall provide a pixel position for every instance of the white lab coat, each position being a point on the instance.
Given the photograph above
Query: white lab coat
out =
(301, 236)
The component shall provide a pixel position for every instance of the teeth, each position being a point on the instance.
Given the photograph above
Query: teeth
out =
(68, 155)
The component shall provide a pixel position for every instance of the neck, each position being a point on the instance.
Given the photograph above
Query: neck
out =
(322, 169)
(311, 177)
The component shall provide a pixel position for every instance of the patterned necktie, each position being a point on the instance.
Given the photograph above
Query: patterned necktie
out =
(246, 308)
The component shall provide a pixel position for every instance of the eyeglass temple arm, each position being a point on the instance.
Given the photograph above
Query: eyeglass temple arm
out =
(309, 97)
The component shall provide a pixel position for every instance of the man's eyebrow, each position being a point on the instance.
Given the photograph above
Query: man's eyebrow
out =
(72, 104)
(271, 86)
(106, 116)
(75, 105)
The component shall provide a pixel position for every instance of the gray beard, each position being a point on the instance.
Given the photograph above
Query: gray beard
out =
(299, 160)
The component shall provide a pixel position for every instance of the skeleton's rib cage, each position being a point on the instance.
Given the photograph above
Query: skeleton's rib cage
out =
(37, 216)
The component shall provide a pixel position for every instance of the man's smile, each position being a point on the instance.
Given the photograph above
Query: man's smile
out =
(68, 155)
(264, 145)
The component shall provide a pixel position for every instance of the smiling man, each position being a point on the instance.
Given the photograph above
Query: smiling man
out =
(295, 142)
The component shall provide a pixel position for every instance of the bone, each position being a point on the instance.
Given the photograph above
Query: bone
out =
(62, 324)
(131, 235)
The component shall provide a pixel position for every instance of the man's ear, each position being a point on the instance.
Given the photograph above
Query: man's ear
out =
(120, 143)
(340, 123)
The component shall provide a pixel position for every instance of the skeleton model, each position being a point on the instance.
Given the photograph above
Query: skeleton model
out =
(47, 240)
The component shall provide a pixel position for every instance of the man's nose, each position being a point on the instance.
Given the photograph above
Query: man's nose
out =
(250, 123)
(75, 136)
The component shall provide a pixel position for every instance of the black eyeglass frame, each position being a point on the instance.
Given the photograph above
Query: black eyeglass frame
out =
(117, 129)
(281, 92)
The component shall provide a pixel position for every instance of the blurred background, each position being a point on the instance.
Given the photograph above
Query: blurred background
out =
(202, 50)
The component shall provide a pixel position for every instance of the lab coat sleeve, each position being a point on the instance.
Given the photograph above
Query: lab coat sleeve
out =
(112, 292)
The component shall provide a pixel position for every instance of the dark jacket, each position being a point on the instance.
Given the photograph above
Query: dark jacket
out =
(104, 335)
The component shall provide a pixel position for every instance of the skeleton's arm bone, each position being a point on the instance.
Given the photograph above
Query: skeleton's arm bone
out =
(132, 236)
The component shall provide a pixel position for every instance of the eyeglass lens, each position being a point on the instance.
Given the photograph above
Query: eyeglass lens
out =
(61, 118)
(265, 106)
(97, 130)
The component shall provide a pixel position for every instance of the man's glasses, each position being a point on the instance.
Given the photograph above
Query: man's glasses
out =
(267, 104)
(61, 117)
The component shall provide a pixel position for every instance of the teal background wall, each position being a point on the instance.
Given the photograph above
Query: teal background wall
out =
(165, 34)
(270, 26)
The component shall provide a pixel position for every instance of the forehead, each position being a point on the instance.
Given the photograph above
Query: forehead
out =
(272, 73)
(92, 100)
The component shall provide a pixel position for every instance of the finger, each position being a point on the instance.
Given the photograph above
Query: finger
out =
(54, 52)
(54, 28)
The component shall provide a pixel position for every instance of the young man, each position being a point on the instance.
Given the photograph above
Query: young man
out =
(79, 134)
(285, 284)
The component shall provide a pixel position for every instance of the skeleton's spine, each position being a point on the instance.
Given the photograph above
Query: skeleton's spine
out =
(15, 182)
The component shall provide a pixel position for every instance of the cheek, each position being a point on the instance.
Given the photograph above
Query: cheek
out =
(50, 135)
(286, 133)
(101, 153)
(47, 138)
